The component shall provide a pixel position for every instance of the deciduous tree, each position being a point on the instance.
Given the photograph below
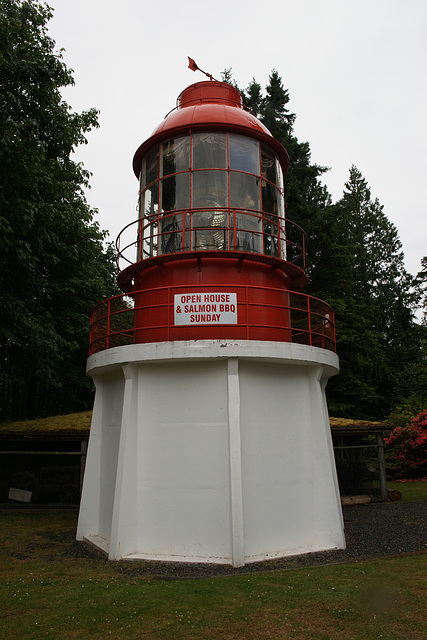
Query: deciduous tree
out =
(53, 265)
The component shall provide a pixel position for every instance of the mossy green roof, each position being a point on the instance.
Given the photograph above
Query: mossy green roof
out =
(79, 424)
(70, 424)
(348, 422)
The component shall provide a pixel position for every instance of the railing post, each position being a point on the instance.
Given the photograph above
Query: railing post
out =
(309, 320)
(108, 322)
(382, 467)
(247, 311)
(190, 231)
(170, 312)
(140, 239)
(183, 231)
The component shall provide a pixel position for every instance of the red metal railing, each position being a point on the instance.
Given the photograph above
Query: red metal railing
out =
(303, 319)
(224, 229)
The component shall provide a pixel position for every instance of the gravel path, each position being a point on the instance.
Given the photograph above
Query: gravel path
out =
(372, 531)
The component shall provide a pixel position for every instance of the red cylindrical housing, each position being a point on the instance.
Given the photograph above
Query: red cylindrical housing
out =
(213, 298)
(212, 222)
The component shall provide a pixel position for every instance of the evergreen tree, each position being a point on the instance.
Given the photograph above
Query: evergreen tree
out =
(274, 112)
(420, 282)
(410, 381)
(306, 197)
(254, 99)
(54, 267)
(371, 291)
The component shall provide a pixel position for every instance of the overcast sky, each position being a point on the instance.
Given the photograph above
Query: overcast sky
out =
(355, 71)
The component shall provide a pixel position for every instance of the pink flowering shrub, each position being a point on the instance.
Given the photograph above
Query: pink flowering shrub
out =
(407, 448)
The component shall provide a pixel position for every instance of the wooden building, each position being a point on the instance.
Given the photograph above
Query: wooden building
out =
(42, 461)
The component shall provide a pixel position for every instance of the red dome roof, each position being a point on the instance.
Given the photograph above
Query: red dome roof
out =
(210, 105)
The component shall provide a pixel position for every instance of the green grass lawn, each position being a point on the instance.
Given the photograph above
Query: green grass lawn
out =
(411, 491)
(50, 589)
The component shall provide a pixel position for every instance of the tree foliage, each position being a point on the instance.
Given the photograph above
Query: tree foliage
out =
(54, 266)
(361, 273)
(420, 282)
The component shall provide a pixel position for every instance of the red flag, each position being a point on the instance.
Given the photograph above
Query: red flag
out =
(192, 65)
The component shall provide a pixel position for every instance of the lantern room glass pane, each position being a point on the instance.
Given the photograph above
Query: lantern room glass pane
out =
(271, 236)
(244, 154)
(271, 198)
(150, 200)
(171, 233)
(268, 164)
(209, 230)
(209, 150)
(249, 235)
(176, 155)
(176, 192)
(244, 191)
(209, 189)
(151, 166)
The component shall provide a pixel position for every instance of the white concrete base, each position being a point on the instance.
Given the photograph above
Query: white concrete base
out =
(211, 451)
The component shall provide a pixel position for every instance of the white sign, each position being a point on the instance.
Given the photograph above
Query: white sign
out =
(205, 308)
(20, 495)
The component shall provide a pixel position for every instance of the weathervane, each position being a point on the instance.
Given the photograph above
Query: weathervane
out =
(193, 66)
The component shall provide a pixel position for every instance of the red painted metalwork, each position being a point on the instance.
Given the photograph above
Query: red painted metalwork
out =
(212, 228)
(219, 274)
(287, 315)
(132, 261)
(212, 106)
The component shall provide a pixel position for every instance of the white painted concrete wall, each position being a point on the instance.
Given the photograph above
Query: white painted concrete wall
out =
(213, 451)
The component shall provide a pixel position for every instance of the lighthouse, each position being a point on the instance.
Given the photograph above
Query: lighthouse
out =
(210, 437)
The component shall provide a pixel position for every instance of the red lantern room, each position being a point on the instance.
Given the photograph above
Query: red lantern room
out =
(212, 255)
